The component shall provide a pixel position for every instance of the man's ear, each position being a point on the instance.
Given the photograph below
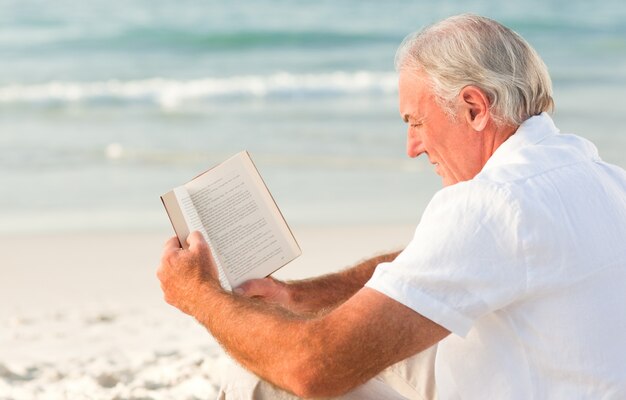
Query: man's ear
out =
(475, 107)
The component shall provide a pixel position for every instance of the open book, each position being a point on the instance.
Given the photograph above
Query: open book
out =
(235, 212)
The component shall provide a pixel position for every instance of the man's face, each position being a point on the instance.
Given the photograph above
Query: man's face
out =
(451, 144)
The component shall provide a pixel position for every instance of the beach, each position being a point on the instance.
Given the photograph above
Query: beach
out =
(82, 315)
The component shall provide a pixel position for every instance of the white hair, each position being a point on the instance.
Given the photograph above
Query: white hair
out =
(472, 50)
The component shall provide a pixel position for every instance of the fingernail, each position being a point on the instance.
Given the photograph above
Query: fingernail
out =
(238, 291)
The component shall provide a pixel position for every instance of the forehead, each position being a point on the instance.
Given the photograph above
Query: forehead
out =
(413, 91)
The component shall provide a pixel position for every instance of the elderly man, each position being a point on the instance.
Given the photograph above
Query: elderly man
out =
(517, 269)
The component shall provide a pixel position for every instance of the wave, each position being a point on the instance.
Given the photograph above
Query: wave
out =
(181, 40)
(177, 40)
(169, 93)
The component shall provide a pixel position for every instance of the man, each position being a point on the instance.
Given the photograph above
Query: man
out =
(517, 269)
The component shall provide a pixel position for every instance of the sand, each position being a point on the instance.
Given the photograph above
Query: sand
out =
(82, 315)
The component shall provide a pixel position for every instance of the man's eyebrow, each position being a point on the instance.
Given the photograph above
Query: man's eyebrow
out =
(405, 118)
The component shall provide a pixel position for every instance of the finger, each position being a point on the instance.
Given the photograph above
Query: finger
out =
(170, 248)
(171, 244)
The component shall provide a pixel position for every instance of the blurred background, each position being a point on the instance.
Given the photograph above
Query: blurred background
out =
(106, 105)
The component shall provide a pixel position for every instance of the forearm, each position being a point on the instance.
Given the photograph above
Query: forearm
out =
(266, 339)
(316, 356)
(321, 294)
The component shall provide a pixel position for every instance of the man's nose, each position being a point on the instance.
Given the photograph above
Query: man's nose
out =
(414, 146)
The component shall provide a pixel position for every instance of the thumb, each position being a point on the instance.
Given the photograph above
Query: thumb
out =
(196, 242)
(266, 288)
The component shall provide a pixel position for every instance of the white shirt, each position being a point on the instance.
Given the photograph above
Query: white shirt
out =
(526, 265)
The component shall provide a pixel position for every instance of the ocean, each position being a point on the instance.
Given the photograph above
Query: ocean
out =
(105, 105)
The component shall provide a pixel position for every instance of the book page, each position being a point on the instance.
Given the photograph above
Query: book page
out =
(247, 234)
(195, 224)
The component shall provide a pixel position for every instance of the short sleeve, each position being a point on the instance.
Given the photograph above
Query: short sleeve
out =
(465, 260)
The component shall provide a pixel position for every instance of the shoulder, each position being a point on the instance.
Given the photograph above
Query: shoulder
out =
(473, 200)
(467, 218)
(519, 161)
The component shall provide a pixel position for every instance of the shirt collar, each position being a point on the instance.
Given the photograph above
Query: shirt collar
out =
(534, 130)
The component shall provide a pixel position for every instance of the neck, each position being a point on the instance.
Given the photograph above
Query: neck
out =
(495, 136)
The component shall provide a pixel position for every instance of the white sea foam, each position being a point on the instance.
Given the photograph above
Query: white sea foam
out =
(169, 93)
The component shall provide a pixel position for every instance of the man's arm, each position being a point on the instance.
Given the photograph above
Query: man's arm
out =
(310, 356)
(315, 295)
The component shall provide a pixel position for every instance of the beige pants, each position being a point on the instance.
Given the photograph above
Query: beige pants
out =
(412, 379)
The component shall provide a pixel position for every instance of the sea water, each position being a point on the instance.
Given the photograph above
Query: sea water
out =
(106, 105)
